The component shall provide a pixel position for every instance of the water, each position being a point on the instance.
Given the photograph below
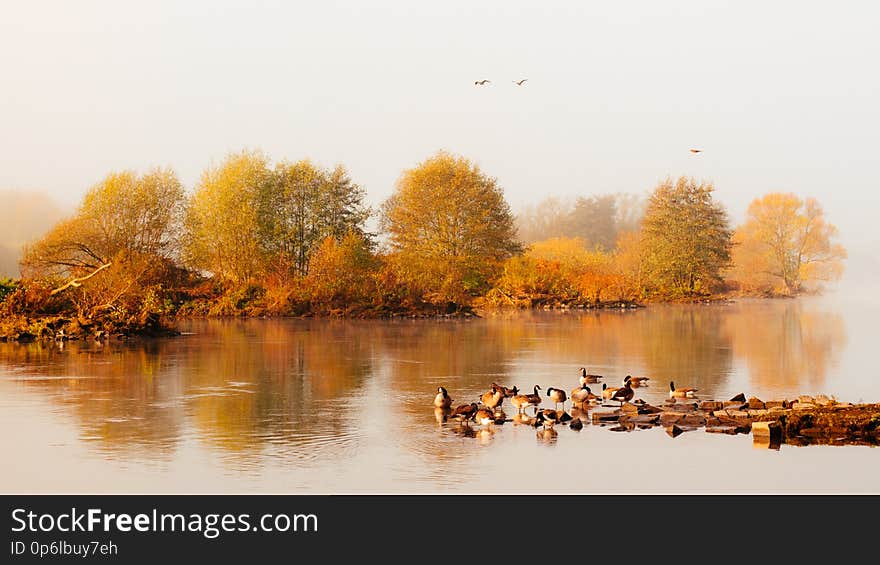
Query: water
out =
(318, 406)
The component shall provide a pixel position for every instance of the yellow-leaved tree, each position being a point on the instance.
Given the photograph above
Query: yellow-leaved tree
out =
(685, 239)
(449, 228)
(786, 245)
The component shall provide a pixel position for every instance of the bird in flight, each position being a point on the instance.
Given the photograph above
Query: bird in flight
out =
(482, 82)
(520, 82)
(696, 150)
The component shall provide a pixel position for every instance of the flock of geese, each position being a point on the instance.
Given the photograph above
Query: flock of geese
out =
(488, 411)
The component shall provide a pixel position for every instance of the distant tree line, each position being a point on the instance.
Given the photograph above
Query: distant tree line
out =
(291, 238)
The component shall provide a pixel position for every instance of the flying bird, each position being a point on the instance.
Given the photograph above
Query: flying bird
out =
(520, 82)
(482, 82)
(696, 150)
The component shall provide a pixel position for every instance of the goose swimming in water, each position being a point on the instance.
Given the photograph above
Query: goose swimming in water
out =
(686, 392)
(639, 381)
(586, 378)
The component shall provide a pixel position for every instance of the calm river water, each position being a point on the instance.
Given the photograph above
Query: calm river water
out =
(317, 406)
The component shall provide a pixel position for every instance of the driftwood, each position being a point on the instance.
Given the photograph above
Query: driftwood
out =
(78, 281)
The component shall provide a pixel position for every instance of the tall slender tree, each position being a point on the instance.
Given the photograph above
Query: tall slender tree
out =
(223, 221)
(686, 238)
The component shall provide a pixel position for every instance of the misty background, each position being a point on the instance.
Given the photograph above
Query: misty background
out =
(780, 97)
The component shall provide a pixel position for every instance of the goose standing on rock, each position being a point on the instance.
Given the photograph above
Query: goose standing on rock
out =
(582, 395)
(624, 394)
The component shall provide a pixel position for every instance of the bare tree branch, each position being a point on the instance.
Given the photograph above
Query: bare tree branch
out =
(78, 281)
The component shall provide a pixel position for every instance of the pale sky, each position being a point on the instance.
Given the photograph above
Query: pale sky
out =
(781, 96)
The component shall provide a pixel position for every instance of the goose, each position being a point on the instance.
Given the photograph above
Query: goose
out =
(583, 394)
(576, 424)
(639, 381)
(521, 401)
(442, 399)
(465, 412)
(686, 392)
(520, 82)
(508, 392)
(546, 418)
(557, 395)
(608, 391)
(587, 378)
(563, 417)
(493, 398)
(624, 394)
(484, 417)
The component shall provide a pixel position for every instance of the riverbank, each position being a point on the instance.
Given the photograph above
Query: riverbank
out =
(112, 324)
(24, 329)
(28, 328)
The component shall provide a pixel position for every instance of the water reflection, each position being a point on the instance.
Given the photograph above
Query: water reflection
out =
(311, 393)
(786, 346)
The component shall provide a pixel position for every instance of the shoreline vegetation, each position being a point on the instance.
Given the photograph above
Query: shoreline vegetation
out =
(254, 239)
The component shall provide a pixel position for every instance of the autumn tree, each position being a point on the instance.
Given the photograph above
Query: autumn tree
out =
(223, 222)
(449, 227)
(123, 214)
(787, 241)
(118, 249)
(686, 238)
(305, 205)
